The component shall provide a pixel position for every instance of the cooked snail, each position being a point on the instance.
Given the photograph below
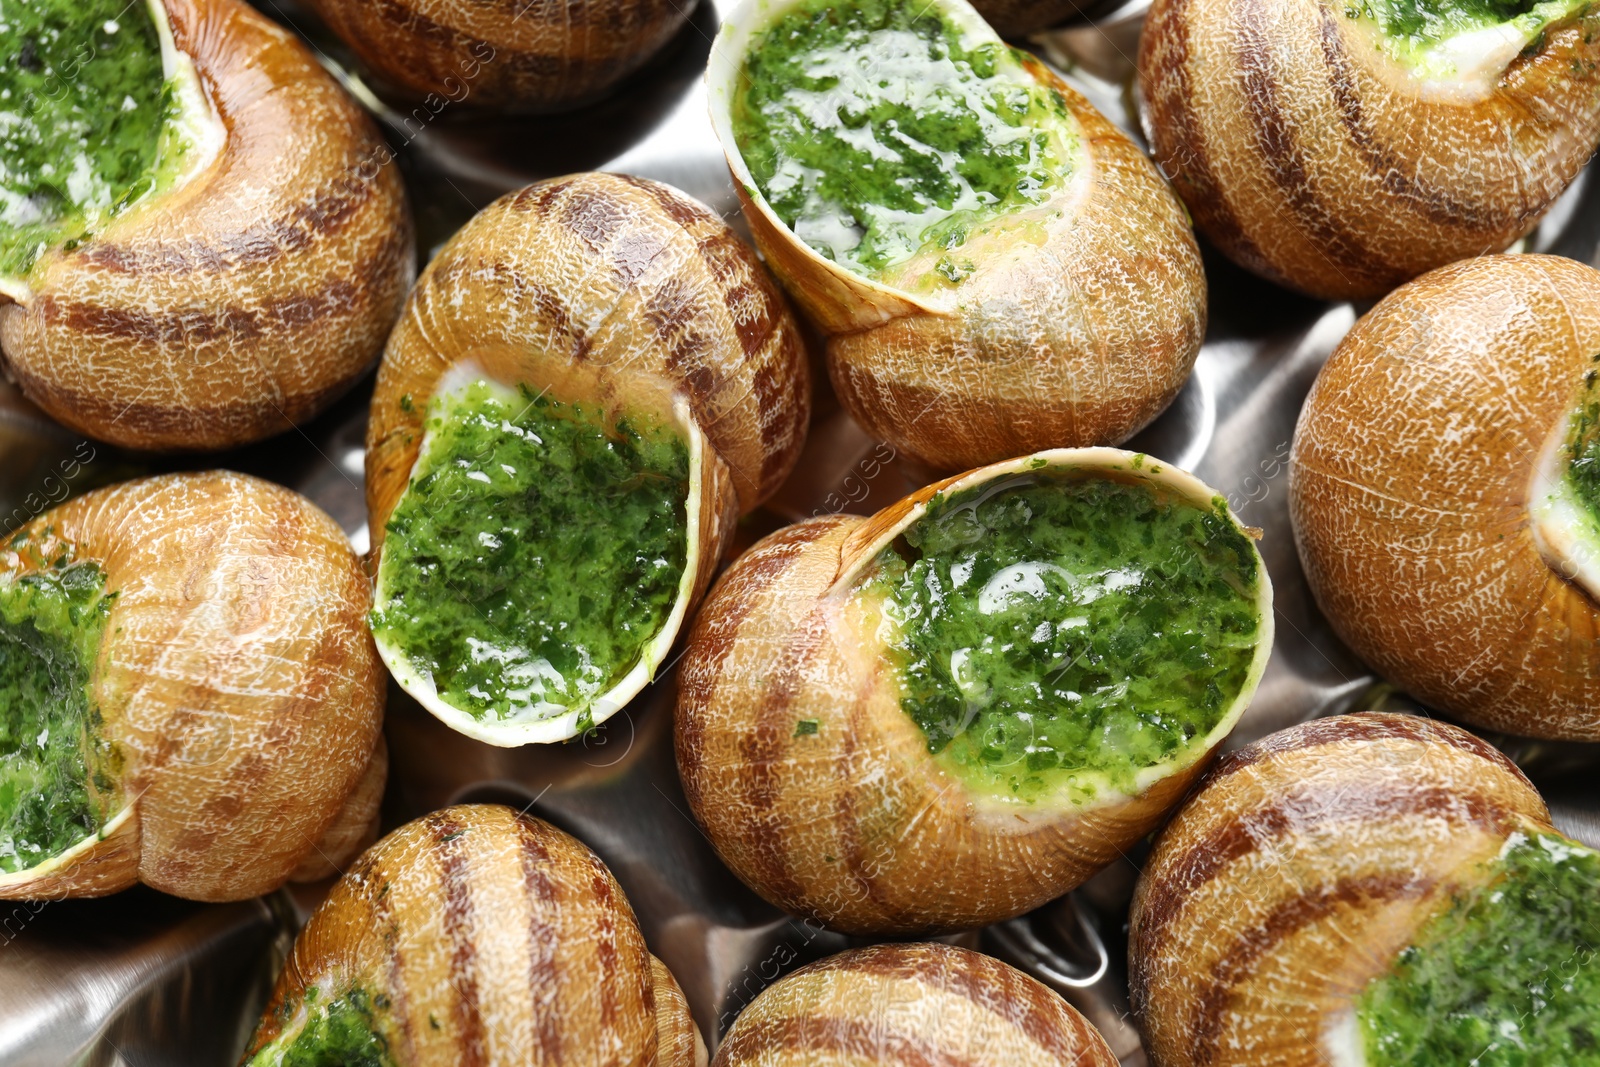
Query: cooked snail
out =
(188, 694)
(201, 243)
(591, 381)
(1374, 890)
(475, 935)
(998, 269)
(909, 1005)
(519, 56)
(1342, 147)
(1445, 492)
(960, 708)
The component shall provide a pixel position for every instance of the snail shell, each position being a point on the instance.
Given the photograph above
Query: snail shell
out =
(911, 1004)
(486, 936)
(235, 679)
(1417, 470)
(244, 300)
(1313, 158)
(1296, 873)
(855, 825)
(1079, 341)
(613, 290)
(527, 57)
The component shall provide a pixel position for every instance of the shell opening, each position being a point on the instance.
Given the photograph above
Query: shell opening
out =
(86, 141)
(1064, 629)
(1564, 499)
(57, 774)
(340, 1031)
(1462, 41)
(852, 125)
(538, 566)
(1505, 973)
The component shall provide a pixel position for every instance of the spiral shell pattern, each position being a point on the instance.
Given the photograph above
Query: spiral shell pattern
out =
(911, 1005)
(245, 300)
(1314, 159)
(1077, 335)
(506, 54)
(1298, 870)
(496, 940)
(237, 681)
(1413, 465)
(613, 289)
(853, 824)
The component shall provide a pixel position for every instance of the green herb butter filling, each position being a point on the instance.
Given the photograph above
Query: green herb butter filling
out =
(342, 1032)
(1444, 38)
(535, 553)
(1583, 449)
(877, 129)
(56, 781)
(1508, 976)
(86, 121)
(1066, 633)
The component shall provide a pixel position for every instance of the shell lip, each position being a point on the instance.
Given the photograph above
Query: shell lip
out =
(1102, 460)
(65, 860)
(514, 733)
(196, 117)
(1567, 535)
(733, 41)
(1341, 1039)
(197, 112)
(1466, 68)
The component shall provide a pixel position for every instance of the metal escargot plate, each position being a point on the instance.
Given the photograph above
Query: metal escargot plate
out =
(143, 979)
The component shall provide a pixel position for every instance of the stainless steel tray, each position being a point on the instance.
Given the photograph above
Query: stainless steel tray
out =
(142, 979)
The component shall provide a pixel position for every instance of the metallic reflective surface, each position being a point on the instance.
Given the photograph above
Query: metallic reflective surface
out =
(142, 979)
(137, 980)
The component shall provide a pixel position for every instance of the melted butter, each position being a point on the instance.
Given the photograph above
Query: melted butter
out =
(90, 121)
(534, 553)
(1583, 448)
(880, 134)
(1056, 634)
(338, 1032)
(1459, 39)
(55, 770)
(1507, 976)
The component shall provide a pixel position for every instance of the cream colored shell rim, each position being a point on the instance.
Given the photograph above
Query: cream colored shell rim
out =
(65, 860)
(1467, 67)
(748, 20)
(196, 116)
(513, 733)
(1155, 472)
(1568, 536)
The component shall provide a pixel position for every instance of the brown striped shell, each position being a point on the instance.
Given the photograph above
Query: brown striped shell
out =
(1311, 157)
(911, 1005)
(613, 291)
(1077, 337)
(508, 54)
(1296, 873)
(855, 825)
(1413, 479)
(487, 937)
(244, 300)
(236, 680)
